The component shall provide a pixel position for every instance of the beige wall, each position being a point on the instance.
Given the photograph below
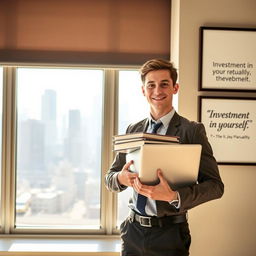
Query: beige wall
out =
(225, 227)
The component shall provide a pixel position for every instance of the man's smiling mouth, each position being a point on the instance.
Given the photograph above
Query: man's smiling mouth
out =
(158, 98)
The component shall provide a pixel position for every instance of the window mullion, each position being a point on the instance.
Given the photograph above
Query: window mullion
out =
(109, 128)
(8, 156)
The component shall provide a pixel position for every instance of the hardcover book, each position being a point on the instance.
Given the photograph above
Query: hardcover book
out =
(141, 135)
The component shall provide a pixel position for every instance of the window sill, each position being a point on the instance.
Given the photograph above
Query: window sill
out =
(66, 247)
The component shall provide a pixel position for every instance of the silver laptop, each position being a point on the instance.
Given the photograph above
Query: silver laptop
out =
(178, 162)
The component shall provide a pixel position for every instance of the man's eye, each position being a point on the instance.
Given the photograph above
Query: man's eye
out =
(150, 85)
(165, 84)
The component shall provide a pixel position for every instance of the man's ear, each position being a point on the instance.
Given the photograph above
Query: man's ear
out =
(176, 88)
(143, 90)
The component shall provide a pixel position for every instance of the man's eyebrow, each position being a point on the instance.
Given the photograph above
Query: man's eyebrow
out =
(164, 80)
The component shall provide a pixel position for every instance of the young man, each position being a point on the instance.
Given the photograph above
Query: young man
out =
(157, 224)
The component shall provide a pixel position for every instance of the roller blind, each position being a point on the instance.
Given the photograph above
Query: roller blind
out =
(114, 32)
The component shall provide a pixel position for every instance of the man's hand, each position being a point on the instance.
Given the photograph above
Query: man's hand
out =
(161, 191)
(125, 177)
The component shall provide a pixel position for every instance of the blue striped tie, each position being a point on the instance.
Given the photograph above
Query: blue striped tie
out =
(142, 200)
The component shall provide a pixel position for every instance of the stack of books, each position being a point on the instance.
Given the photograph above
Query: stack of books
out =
(127, 143)
(179, 162)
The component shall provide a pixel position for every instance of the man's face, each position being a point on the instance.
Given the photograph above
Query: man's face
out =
(158, 89)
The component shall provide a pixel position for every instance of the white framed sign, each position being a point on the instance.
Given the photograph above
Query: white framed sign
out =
(227, 59)
(231, 128)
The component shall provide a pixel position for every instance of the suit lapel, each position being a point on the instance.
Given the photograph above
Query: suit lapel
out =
(173, 128)
(142, 127)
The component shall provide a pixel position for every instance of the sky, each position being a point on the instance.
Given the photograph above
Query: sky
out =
(76, 89)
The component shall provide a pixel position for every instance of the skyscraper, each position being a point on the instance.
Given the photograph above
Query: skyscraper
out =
(31, 151)
(48, 117)
(73, 147)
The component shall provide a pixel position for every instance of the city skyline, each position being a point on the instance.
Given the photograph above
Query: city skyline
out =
(58, 156)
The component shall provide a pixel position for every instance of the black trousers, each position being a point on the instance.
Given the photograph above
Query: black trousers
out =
(173, 240)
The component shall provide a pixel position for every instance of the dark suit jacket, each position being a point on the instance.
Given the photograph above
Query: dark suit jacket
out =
(209, 185)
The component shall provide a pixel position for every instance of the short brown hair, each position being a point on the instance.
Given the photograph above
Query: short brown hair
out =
(158, 64)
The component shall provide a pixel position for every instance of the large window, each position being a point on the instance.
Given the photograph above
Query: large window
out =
(59, 130)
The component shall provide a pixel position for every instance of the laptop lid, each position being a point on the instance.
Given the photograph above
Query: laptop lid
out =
(178, 162)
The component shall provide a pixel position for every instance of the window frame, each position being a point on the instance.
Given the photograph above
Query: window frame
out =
(110, 126)
(2, 178)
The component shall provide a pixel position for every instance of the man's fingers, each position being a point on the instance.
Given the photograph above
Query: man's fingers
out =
(140, 188)
(127, 165)
(160, 175)
(131, 180)
(135, 184)
(125, 177)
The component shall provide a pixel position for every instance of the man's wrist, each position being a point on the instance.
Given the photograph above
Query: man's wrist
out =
(176, 201)
(119, 184)
(173, 197)
(118, 178)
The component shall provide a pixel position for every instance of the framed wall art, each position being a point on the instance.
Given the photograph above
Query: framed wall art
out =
(231, 128)
(227, 59)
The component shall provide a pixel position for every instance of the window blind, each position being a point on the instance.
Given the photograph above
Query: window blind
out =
(112, 32)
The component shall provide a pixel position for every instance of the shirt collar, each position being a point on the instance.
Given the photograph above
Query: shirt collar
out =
(164, 119)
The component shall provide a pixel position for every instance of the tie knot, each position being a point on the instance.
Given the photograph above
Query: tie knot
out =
(156, 126)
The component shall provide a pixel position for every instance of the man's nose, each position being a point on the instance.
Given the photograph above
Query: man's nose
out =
(158, 89)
